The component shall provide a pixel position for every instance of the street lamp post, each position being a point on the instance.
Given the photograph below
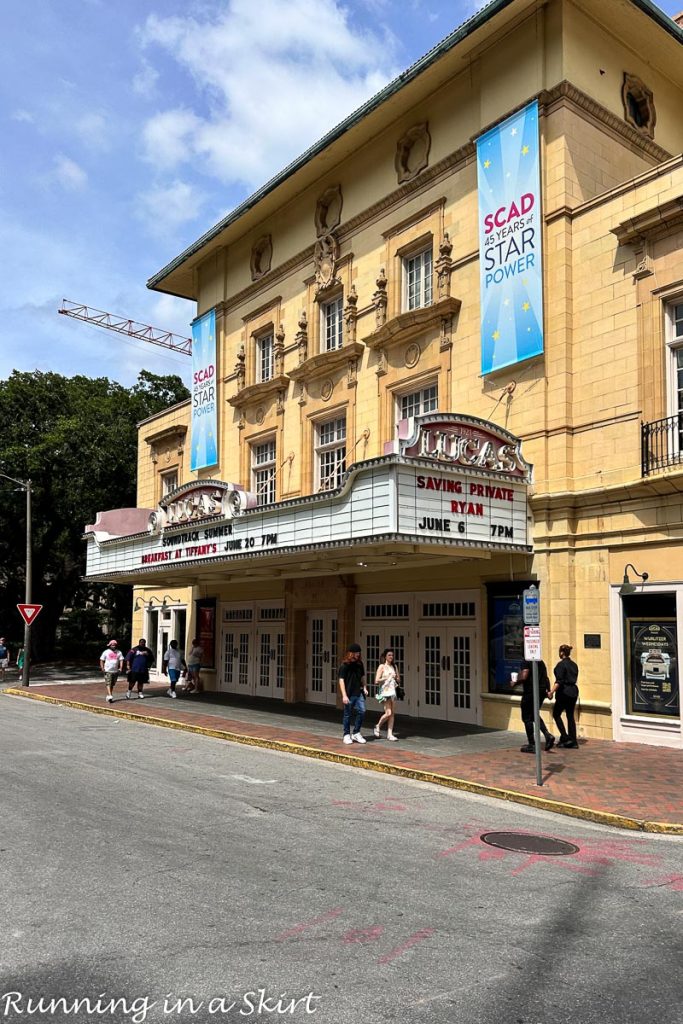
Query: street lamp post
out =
(26, 486)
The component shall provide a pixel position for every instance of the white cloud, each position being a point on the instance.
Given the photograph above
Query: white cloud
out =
(144, 82)
(23, 115)
(69, 174)
(265, 96)
(165, 208)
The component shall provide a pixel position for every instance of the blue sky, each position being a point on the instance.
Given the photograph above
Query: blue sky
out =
(129, 128)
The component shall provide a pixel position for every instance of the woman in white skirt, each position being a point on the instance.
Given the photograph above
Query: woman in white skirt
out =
(386, 679)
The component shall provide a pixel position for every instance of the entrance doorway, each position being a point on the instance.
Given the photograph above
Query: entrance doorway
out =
(449, 684)
(253, 650)
(322, 657)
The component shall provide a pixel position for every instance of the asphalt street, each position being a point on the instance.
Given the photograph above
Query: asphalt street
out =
(144, 867)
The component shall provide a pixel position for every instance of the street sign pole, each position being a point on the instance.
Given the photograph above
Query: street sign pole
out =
(532, 652)
(26, 667)
(537, 726)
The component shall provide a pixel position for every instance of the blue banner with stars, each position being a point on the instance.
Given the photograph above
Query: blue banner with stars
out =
(204, 398)
(510, 240)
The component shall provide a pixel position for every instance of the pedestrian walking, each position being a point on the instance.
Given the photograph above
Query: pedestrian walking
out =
(526, 678)
(353, 693)
(20, 661)
(173, 664)
(111, 663)
(194, 664)
(387, 678)
(566, 691)
(138, 662)
(4, 658)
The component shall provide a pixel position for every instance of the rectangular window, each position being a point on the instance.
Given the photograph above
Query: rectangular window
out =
(332, 314)
(169, 482)
(418, 402)
(264, 358)
(417, 274)
(676, 346)
(263, 471)
(331, 453)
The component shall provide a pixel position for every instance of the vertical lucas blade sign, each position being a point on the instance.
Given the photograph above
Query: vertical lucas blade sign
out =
(510, 230)
(204, 398)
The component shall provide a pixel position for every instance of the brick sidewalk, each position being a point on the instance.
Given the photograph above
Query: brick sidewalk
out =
(625, 784)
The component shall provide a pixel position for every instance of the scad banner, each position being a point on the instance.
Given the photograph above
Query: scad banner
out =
(510, 232)
(204, 400)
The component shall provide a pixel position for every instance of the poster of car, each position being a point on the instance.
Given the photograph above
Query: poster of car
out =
(653, 667)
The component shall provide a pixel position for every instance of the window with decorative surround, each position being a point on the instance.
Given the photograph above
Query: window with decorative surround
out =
(331, 453)
(418, 402)
(264, 471)
(332, 323)
(417, 280)
(264, 357)
(675, 345)
(169, 482)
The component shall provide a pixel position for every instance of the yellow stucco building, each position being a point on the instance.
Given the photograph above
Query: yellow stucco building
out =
(372, 478)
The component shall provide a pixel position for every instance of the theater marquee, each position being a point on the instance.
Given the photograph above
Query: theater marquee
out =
(455, 482)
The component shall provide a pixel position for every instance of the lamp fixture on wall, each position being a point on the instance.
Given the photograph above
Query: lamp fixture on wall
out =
(630, 588)
(149, 604)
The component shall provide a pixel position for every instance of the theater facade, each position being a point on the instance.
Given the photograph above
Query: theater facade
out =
(435, 360)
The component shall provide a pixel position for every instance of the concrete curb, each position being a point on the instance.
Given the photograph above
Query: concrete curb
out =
(449, 782)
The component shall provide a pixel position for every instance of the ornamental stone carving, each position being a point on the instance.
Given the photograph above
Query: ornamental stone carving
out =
(326, 390)
(240, 370)
(328, 211)
(279, 351)
(325, 256)
(379, 299)
(412, 152)
(639, 106)
(302, 339)
(351, 315)
(261, 257)
(443, 267)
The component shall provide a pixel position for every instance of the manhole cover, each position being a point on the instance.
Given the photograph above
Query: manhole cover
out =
(520, 843)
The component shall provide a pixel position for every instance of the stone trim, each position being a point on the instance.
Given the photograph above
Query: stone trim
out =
(662, 218)
(257, 392)
(326, 362)
(404, 326)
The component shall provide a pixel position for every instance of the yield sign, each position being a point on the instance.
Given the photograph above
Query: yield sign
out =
(29, 612)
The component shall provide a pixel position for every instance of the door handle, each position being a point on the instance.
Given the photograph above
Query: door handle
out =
(443, 662)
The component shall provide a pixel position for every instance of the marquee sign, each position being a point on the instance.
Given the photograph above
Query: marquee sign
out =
(194, 503)
(464, 441)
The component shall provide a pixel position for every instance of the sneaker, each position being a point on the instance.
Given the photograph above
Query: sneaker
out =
(174, 694)
(357, 738)
(376, 731)
(550, 743)
(347, 738)
(563, 741)
(140, 696)
(170, 693)
(391, 737)
(571, 745)
(528, 748)
(109, 698)
(129, 694)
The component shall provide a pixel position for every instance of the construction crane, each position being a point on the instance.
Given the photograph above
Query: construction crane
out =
(131, 328)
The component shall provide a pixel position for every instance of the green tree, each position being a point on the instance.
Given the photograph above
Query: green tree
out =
(76, 439)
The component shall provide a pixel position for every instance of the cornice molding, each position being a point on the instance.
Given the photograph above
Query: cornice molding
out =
(258, 392)
(659, 219)
(326, 362)
(406, 325)
(566, 94)
(166, 433)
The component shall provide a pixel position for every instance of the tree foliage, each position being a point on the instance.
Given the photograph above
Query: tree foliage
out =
(75, 438)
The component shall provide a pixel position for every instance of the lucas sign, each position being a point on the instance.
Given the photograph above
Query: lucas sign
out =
(204, 397)
(510, 240)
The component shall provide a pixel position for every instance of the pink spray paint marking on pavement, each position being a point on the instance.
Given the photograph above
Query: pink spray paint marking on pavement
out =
(297, 929)
(414, 939)
(364, 934)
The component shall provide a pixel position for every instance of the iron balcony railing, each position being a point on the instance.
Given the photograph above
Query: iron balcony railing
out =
(662, 444)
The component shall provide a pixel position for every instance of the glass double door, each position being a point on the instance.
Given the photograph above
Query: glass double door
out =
(253, 660)
(322, 657)
(449, 685)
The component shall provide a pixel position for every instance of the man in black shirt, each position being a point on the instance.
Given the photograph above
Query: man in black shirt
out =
(353, 691)
(526, 678)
